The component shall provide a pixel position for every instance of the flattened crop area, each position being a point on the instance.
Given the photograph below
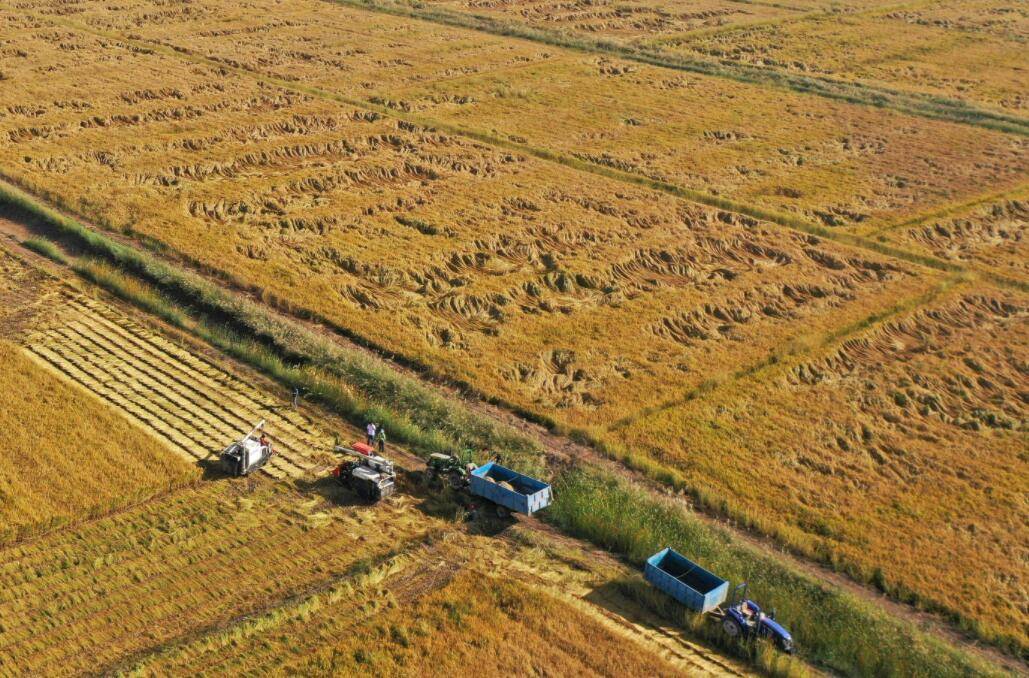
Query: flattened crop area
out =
(902, 448)
(994, 234)
(193, 406)
(569, 294)
(831, 163)
(966, 49)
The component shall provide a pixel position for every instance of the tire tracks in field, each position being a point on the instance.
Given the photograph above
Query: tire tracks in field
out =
(186, 401)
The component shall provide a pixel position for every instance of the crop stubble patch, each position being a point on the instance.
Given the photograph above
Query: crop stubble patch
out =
(180, 397)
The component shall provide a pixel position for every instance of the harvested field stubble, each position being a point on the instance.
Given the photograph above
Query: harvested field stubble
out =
(91, 597)
(899, 455)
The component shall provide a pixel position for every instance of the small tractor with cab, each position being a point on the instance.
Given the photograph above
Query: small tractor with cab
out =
(372, 477)
(743, 618)
(247, 454)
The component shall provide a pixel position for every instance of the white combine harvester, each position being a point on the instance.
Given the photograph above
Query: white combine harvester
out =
(246, 455)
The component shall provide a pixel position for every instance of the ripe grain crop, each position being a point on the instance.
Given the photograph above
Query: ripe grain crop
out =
(962, 49)
(64, 457)
(429, 609)
(834, 164)
(580, 299)
(993, 234)
(527, 255)
(92, 596)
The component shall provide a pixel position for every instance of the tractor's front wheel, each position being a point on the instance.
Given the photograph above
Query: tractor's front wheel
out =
(456, 481)
(731, 628)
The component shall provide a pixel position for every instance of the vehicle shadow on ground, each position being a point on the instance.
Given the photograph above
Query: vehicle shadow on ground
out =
(329, 489)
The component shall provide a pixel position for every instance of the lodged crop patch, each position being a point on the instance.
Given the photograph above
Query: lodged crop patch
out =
(566, 294)
(993, 235)
(963, 49)
(834, 164)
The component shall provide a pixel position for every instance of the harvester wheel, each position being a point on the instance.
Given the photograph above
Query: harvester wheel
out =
(731, 628)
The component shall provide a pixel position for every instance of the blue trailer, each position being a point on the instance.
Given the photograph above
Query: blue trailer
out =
(684, 580)
(700, 590)
(509, 490)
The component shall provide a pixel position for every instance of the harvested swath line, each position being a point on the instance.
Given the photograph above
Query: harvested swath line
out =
(163, 420)
(175, 387)
(198, 366)
(173, 384)
(210, 422)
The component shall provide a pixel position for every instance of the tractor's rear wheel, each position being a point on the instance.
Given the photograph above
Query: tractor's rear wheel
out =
(503, 512)
(731, 628)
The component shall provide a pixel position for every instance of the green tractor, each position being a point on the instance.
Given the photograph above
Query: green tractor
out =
(448, 469)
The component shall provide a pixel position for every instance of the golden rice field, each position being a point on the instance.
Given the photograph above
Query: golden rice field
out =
(901, 449)
(64, 456)
(831, 163)
(397, 178)
(438, 608)
(966, 50)
(963, 49)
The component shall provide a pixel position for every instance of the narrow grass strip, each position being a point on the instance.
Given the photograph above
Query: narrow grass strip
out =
(833, 629)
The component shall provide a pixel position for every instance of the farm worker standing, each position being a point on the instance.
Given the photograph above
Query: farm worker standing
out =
(380, 438)
(370, 430)
(265, 442)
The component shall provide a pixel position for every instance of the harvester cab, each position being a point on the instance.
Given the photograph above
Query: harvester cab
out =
(743, 617)
(246, 455)
(372, 477)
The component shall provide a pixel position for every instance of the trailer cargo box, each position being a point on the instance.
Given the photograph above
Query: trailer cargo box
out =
(527, 495)
(684, 580)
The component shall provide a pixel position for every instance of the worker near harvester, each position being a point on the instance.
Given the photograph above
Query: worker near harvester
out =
(265, 441)
(380, 438)
(370, 431)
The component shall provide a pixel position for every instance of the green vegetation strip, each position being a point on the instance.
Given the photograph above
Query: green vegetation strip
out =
(832, 628)
(923, 105)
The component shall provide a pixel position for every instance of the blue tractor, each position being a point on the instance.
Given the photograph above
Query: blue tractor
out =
(744, 618)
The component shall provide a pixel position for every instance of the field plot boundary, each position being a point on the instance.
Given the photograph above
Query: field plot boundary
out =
(927, 106)
(786, 221)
